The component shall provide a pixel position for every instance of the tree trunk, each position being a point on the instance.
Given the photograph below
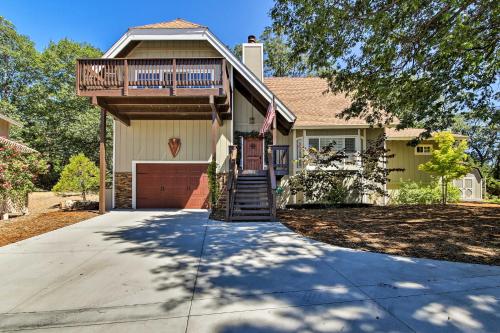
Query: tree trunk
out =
(443, 191)
(84, 196)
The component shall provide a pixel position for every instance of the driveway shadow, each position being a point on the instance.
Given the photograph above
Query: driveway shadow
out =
(262, 277)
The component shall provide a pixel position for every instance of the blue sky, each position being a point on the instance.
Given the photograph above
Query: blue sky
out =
(102, 22)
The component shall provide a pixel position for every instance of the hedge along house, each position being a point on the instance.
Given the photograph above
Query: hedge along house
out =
(180, 98)
(10, 207)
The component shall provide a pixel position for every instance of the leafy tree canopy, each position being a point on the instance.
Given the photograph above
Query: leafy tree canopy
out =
(278, 56)
(18, 63)
(421, 61)
(38, 88)
(278, 59)
(484, 143)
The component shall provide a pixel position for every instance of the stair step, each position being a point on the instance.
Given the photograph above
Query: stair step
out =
(251, 203)
(251, 190)
(251, 212)
(251, 206)
(251, 186)
(251, 218)
(252, 177)
(252, 194)
(252, 182)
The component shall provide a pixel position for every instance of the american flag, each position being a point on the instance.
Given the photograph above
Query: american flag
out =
(271, 113)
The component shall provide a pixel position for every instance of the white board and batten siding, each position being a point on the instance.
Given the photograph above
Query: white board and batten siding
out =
(147, 140)
(174, 49)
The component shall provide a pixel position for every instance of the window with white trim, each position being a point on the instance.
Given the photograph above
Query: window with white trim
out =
(349, 144)
(338, 143)
(423, 150)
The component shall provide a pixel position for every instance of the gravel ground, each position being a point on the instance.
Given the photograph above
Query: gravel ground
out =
(464, 233)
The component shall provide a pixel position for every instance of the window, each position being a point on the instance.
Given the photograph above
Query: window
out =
(338, 143)
(349, 144)
(423, 150)
(300, 151)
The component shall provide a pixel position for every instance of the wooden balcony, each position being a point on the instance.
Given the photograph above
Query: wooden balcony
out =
(152, 89)
(152, 77)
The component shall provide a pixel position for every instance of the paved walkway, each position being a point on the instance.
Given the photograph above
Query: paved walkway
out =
(176, 271)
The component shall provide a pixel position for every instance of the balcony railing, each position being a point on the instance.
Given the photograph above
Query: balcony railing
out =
(111, 77)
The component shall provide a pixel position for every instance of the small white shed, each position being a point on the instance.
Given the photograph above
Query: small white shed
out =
(471, 186)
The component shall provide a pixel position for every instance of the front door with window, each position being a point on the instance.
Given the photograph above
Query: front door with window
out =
(253, 152)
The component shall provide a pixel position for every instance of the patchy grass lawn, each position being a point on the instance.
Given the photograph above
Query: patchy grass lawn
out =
(14, 230)
(466, 233)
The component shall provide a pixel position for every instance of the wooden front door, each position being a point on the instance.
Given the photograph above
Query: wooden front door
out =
(253, 152)
(163, 185)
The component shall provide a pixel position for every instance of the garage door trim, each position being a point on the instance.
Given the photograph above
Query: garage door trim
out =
(134, 174)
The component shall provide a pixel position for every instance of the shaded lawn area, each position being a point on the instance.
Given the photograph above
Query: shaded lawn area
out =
(465, 233)
(17, 229)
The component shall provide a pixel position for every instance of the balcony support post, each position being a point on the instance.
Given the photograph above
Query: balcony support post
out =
(102, 162)
(216, 122)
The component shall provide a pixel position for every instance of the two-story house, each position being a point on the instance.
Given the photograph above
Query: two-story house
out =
(180, 99)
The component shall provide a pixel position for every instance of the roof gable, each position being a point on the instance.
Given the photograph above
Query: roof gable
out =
(174, 24)
(199, 33)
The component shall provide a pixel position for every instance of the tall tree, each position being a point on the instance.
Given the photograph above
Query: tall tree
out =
(18, 65)
(421, 61)
(55, 121)
(278, 59)
(483, 140)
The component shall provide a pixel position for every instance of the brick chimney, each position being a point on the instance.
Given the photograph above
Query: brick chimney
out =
(253, 56)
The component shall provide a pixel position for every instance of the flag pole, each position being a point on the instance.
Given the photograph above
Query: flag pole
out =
(275, 134)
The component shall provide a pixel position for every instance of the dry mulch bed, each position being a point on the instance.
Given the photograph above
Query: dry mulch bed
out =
(17, 229)
(465, 233)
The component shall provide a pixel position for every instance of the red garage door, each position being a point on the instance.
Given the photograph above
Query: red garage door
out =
(161, 185)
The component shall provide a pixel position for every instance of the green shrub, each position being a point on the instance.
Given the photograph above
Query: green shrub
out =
(493, 199)
(213, 184)
(412, 193)
(492, 186)
(79, 175)
(19, 171)
(338, 194)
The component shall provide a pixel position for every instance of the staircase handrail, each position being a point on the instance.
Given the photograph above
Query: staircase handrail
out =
(231, 180)
(272, 184)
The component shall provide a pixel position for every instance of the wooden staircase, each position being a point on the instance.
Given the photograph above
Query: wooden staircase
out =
(251, 195)
(251, 198)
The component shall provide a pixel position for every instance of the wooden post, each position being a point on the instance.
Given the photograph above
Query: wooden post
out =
(215, 127)
(77, 77)
(174, 77)
(125, 77)
(102, 162)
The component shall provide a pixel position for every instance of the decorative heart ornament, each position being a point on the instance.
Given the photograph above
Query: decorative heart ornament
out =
(175, 146)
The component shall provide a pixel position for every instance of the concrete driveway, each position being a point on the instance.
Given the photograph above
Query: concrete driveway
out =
(176, 271)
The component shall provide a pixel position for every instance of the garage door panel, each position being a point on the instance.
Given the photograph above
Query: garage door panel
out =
(149, 194)
(183, 185)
